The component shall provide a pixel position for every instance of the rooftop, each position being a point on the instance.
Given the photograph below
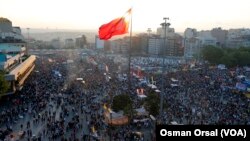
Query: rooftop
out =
(4, 20)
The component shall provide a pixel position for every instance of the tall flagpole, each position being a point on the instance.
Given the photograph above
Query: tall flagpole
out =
(129, 51)
(129, 61)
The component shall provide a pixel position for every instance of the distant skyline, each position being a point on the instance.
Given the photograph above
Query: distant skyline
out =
(91, 14)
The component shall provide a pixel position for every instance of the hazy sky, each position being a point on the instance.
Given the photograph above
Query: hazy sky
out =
(90, 14)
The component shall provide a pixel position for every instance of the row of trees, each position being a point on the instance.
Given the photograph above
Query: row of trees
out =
(231, 57)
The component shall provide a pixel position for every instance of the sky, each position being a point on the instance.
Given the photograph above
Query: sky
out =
(91, 14)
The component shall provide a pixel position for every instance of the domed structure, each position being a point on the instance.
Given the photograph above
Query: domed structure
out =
(5, 25)
(4, 20)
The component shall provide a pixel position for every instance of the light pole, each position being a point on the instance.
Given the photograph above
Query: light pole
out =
(28, 29)
(28, 32)
(149, 31)
(164, 25)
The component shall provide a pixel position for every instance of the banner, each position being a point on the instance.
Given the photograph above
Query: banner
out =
(240, 86)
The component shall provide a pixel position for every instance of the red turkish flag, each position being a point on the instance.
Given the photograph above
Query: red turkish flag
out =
(117, 26)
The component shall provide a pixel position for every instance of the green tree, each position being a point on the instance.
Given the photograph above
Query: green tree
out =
(228, 59)
(4, 86)
(152, 104)
(231, 57)
(242, 57)
(212, 54)
(244, 49)
(122, 102)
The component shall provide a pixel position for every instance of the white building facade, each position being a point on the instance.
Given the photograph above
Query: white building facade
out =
(14, 59)
(155, 45)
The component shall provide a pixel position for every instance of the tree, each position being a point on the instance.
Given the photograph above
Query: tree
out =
(244, 49)
(152, 104)
(242, 57)
(228, 60)
(212, 54)
(122, 102)
(4, 86)
(231, 57)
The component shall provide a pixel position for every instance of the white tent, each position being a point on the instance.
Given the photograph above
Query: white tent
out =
(79, 79)
(241, 76)
(141, 95)
(175, 123)
(174, 85)
(157, 91)
(152, 86)
(174, 80)
(141, 120)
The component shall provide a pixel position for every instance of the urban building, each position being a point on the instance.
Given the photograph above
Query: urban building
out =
(173, 42)
(191, 42)
(124, 47)
(238, 38)
(5, 25)
(220, 35)
(14, 59)
(170, 32)
(143, 43)
(139, 45)
(56, 43)
(174, 46)
(120, 45)
(155, 44)
(81, 42)
(9, 33)
(207, 38)
(190, 33)
(192, 47)
(99, 44)
(115, 46)
(69, 43)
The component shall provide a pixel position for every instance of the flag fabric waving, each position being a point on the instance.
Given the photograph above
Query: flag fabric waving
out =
(117, 26)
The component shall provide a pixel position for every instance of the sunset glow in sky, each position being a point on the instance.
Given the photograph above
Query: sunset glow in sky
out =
(90, 14)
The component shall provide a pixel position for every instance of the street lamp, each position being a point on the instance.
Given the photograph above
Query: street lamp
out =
(28, 32)
(149, 31)
(164, 25)
(28, 29)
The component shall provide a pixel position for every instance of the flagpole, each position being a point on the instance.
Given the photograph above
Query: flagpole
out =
(129, 60)
(129, 51)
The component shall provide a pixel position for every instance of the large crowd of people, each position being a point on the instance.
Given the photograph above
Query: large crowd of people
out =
(201, 99)
(63, 100)
(200, 95)
(55, 105)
